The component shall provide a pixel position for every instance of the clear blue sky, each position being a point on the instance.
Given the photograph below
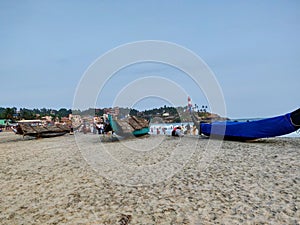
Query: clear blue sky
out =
(253, 47)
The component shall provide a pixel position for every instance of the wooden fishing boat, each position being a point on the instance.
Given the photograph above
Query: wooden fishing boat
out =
(251, 130)
(129, 126)
(35, 129)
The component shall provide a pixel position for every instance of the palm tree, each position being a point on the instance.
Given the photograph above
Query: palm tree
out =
(196, 107)
(8, 113)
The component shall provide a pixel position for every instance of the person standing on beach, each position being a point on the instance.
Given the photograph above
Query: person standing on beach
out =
(188, 128)
(194, 130)
(107, 128)
(84, 128)
(100, 126)
(7, 125)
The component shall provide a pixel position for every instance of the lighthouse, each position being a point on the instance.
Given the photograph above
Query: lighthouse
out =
(190, 105)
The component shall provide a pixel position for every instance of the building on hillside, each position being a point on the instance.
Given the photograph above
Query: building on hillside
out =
(75, 119)
(47, 119)
(112, 111)
(65, 120)
(166, 114)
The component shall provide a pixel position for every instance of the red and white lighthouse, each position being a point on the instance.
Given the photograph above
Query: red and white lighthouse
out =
(190, 105)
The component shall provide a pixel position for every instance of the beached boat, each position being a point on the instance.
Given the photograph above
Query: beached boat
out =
(243, 131)
(129, 126)
(35, 129)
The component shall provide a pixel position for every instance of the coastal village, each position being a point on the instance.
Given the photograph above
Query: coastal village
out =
(9, 117)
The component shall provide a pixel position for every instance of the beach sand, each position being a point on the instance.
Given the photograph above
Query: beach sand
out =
(65, 180)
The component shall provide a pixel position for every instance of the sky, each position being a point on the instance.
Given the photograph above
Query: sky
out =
(251, 47)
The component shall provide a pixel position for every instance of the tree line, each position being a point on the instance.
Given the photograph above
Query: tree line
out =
(24, 113)
(28, 114)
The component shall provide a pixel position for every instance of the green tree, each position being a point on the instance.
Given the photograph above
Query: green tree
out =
(2, 110)
(63, 112)
(27, 114)
(133, 112)
(9, 113)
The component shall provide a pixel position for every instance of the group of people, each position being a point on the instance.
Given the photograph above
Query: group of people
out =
(177, 130)
(100, 125)
(103, 127)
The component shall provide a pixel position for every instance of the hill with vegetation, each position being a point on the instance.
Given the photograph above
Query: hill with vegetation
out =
(166, 114)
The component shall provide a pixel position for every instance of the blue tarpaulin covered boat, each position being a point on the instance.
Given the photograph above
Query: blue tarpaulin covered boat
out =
(251, 130)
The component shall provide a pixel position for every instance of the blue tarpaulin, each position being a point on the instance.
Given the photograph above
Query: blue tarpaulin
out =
(264, 128)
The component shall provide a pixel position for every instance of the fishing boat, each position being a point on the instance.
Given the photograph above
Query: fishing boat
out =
(251, 130)
(34, 128)
(129, 126)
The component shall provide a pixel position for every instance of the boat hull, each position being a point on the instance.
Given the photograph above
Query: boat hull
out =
(141, 132)
(252, 130)
(42, 131)
(46, 135)
(131, 126)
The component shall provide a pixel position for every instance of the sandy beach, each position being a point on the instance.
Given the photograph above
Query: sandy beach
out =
(152, 180)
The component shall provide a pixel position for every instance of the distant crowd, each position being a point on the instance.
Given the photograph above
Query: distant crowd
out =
(100, 125)
(174, 130)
